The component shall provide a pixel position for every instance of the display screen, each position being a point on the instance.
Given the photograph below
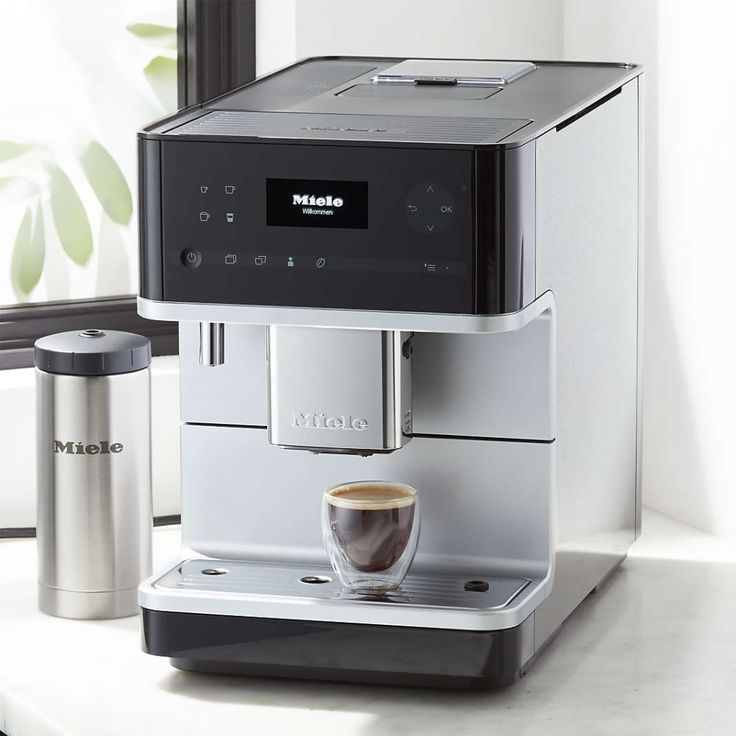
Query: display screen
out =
(316, 203)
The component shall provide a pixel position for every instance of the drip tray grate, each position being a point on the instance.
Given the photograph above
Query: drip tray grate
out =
(259, 580)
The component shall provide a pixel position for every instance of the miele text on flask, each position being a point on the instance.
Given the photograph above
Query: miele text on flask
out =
(302, 420)
(80, 448)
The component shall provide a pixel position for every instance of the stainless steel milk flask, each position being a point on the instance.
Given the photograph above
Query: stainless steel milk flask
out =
(93, 430)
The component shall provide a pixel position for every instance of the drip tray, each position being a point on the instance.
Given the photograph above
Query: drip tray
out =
(259, 589)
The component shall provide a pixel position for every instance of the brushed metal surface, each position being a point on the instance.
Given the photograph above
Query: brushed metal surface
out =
(587, 251)
(86, 605)
(94, 510)
(339, 390)
(486, 385)
(485, 505)
(494, 385)
(235, 393)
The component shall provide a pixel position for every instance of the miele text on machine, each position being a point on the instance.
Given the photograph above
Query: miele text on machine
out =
(308, 420)
(312, 200)
(308, 202)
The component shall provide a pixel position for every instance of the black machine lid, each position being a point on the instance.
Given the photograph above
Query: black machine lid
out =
(92, 353)
(433, 102)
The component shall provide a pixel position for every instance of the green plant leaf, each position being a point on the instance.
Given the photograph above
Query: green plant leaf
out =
(70, 218)
(161, 75)
(26, 263)
(5, 180)
(107, 182)
(10, 149)
(156, 35)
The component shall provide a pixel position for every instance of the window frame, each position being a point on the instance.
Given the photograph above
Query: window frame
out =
(216, 51)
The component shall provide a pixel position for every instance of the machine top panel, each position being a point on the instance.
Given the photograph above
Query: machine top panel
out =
(318, 126)
(362, 99)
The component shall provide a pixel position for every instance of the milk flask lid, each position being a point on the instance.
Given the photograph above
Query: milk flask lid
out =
(92, 352)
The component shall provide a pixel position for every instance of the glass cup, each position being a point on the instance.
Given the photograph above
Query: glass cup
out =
(371, 530)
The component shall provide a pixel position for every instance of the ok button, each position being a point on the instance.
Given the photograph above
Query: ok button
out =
(430, 208)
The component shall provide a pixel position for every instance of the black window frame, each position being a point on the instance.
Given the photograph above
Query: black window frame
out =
(216, 45)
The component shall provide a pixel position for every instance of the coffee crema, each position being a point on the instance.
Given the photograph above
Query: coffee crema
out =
(372, 496)
(371, 522)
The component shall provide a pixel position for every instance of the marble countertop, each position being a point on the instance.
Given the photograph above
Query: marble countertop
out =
(654, 652)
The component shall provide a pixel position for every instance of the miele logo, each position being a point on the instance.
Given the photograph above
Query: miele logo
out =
(321, 421)
(79, 448)
(311, 200)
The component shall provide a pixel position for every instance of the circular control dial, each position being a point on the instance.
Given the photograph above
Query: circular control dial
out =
(430, 208)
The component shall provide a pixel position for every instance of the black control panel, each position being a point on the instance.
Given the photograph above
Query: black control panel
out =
(321, 226)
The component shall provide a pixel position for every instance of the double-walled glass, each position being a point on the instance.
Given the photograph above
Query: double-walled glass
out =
(371, 530)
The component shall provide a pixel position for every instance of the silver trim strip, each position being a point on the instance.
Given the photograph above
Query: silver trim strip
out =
(346, 318)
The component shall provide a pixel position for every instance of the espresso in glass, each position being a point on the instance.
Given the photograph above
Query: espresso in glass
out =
(371, 530)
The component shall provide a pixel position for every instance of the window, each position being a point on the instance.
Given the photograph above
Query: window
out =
(83, 76)
(80, 78)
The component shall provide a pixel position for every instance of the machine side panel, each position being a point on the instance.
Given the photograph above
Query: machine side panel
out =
(588, 202)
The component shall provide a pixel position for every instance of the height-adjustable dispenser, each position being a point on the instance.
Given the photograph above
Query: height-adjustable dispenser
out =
(409, 270)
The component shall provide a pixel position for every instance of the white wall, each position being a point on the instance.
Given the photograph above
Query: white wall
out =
(275, 34)
(689, 369)
(289, 30)
(469, 28)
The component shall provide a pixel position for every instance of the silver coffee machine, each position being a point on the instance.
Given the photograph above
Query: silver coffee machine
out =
(412, 270)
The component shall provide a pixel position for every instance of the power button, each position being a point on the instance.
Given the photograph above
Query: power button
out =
(191, 257)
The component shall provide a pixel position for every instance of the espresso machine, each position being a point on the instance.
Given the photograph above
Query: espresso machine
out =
(412, 270)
